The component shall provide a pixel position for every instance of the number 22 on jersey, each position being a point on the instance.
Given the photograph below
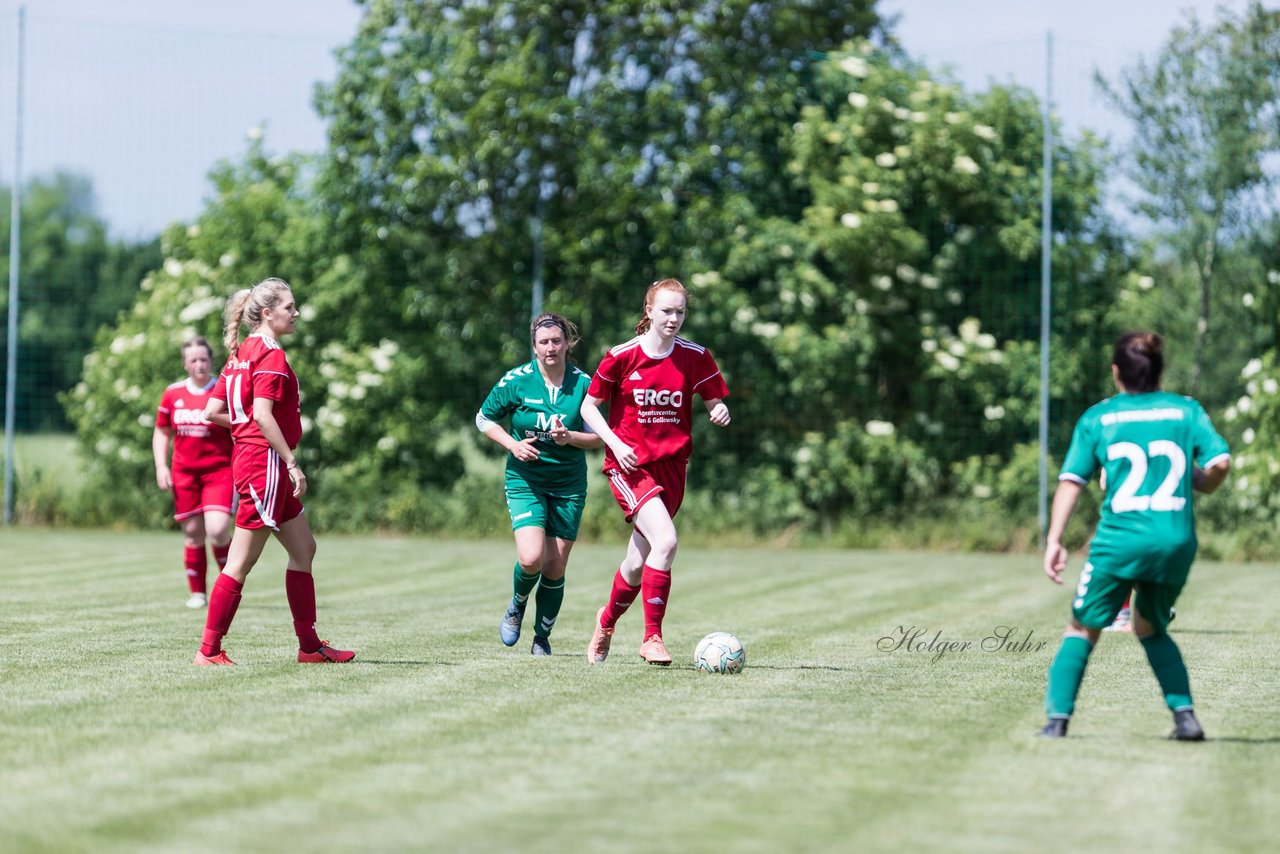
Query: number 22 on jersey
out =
(1164, 499)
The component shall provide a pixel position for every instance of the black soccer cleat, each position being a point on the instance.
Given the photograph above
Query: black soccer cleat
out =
(1186, 727)
(1055, 728)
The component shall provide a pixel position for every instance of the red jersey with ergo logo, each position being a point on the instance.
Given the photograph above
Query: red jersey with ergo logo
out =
(198, 446)
(650, 399)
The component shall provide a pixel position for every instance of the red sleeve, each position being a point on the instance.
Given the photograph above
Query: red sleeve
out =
(164, 413)
(269, 375)
(220, 387)
(709, 383)
(605, 379)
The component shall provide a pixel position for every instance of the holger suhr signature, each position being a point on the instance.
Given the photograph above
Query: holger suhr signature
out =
(918, 639)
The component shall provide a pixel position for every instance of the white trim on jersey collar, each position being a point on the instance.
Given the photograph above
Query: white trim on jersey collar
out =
(669, 351)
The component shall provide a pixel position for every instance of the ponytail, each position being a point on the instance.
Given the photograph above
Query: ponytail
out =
(246, 307)
(232, 319)
(1139, 358)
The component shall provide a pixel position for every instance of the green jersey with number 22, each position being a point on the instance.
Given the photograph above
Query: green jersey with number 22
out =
(1148, 444)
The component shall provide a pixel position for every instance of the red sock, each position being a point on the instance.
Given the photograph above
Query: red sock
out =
(197, 564)
(220, 555)
(655, 586)
(222, 610)
(620, 599)
(300, 588)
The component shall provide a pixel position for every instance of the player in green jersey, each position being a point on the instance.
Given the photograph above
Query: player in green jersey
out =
(546, 480)
(1154, 448)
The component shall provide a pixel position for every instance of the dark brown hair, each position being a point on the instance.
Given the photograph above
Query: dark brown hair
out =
(1139, 356)
(197, 341)
(661, 285)
(550, 318)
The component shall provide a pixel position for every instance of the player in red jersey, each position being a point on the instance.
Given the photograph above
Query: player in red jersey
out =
(200, 477)
(649, 383)
(257, 397)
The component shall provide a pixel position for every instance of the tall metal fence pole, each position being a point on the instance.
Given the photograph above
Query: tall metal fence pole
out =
(1046, 245)
(15, 258)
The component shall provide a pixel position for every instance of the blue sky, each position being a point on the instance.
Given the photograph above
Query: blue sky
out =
(144, 96)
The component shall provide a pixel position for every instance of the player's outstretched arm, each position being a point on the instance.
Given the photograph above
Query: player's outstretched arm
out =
(718, 411)
(1055, 554)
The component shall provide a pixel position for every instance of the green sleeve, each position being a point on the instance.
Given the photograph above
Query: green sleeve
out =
(1209, 444)
(501, 402)
(1081, 462)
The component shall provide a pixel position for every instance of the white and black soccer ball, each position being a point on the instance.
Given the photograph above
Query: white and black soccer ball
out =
(720, 652)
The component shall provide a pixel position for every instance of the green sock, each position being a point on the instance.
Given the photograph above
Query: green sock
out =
(524, 584)
(1171, 673)
(1065, 675)
(550, 595)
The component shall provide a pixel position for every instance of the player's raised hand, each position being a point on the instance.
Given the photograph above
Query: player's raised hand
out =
(1055, 561)
(720, 414)
(524, 451)
(558, 432)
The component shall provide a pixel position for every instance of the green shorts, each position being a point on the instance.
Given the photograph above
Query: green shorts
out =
(1100, 596)
(557, 513)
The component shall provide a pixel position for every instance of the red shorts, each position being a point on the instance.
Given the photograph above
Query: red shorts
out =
(201, 492)
(266, 493)
(659, 478)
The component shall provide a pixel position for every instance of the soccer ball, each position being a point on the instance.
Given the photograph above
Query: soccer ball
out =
(720, 652)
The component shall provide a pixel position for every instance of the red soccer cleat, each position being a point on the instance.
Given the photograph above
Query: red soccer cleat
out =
(325, 655)
(654, 651)
(218, 659)
(598, 649)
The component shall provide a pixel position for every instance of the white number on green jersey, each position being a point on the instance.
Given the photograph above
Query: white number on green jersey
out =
(1127, 499)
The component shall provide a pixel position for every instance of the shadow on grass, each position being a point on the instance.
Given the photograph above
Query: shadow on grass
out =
(391, 662)
(1173, 631)
(832, 667)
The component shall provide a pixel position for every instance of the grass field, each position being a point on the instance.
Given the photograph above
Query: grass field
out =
(438, 738)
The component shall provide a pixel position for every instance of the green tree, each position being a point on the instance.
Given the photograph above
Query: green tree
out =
(636, 134)
(902, 306)
(1205, 115)
(861, 241)
(74, 279)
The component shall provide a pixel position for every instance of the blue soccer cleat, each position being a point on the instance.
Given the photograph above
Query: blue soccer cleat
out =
(509, 628)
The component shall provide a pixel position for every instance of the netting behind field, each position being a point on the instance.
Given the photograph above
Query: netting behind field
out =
(133, 119)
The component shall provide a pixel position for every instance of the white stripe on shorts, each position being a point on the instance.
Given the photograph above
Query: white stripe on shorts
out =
(620, 484)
